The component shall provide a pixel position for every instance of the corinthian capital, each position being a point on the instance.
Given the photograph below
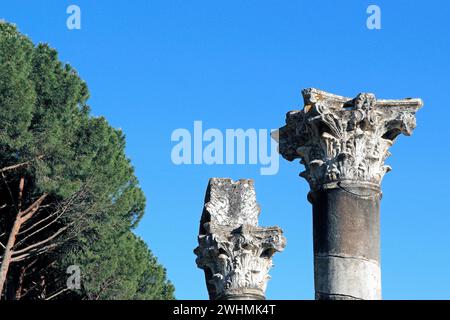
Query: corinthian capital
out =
(344, 139)
(235, 253)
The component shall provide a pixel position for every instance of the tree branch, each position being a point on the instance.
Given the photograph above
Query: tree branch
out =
(37, 244)
(35, 253)
(19, 165)
(28, 213)
(57, 294)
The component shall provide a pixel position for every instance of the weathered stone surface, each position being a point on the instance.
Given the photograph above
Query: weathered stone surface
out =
(346, 278)
(346, 221)
(343, 144)
(235, 253)
(339, 138)
(346, 231)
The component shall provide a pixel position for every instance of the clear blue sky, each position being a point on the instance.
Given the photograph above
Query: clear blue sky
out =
(155, 66)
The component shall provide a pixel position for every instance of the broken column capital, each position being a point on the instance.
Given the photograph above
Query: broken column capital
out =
(345, 139)
(235, 253)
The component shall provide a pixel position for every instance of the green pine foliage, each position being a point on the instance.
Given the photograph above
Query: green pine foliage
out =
(79, 161)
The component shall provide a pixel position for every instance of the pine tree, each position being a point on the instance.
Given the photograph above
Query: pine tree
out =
(68, 193)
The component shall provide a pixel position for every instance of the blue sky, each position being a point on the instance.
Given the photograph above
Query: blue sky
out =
(155, 66)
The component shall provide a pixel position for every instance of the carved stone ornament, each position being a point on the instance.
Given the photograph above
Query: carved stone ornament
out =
(235, 253)
(344, 139)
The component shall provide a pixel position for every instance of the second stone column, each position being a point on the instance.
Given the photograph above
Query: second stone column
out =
(234, 252)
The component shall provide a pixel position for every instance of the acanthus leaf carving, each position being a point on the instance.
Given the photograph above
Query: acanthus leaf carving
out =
(234, 251)
(339, 138)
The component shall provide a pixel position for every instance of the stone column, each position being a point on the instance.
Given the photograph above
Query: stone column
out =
(343, 144)
(234, 252)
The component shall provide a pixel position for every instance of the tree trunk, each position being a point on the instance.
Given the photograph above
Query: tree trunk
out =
(7, 255)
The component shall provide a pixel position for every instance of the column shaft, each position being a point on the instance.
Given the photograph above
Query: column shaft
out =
(346, 229)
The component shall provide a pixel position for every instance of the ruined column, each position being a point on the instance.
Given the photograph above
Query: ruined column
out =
(343, 144)
(234, 252)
